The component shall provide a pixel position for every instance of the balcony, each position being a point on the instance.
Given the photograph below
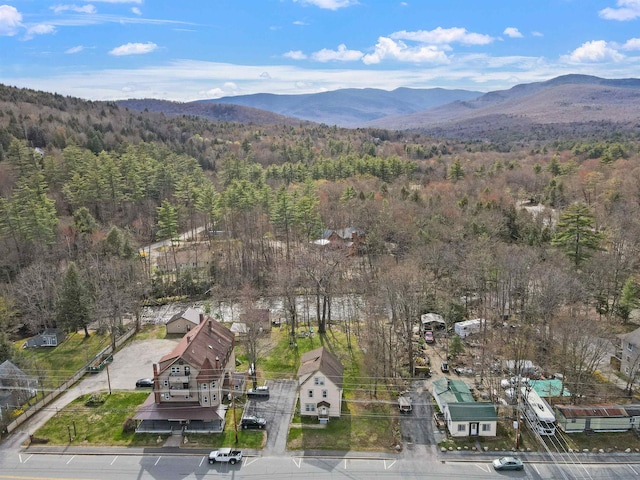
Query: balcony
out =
(178, 379)
(179, 392)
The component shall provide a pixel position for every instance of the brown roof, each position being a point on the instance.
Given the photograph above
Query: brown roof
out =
(582, 411)
(150, 410)
(208, 345)
(321, 360)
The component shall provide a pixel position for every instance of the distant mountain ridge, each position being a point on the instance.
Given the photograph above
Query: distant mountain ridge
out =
(569, 103)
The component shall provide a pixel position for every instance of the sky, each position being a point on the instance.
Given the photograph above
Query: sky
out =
(186, 50)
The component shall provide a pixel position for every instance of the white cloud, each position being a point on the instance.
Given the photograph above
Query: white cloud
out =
(295, 55)
(442, 36)
(404, 4)
(328, 4)
(512, 32)
(74, 8)
(300, 22)
(136, 11)
(10, 20)
(626, 10)
(134, 49)
(387, 49)
(76, 49)
(39, 29)
(631, 44)
(594, 52)
(537, 34)
(341, 55)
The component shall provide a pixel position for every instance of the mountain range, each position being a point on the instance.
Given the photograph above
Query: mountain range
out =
(572, 103)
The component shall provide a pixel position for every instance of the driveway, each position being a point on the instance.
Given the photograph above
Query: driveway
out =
(278, 411)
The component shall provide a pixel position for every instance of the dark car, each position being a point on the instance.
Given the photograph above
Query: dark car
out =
(253, 422)
(144, 383)
(258, 392)
(508, 463)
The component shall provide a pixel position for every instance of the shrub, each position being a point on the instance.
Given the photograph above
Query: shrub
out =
(95, 400)
(129, 425)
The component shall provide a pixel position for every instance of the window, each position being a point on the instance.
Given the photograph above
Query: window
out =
(175, 370)
(462, 428)
(205, 399)
(214, 398)
(214, 384)
(630, 347)
(318, 381)
(166, 383)
(324, 394)
(486, 427)
(309, 407)
(166, 396)
(204, 386)
(626, 370)
(310, 393)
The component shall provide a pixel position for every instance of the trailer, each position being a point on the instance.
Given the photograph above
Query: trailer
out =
(463, 329)
(98, 363)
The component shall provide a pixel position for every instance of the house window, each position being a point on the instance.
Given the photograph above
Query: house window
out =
(462, 428)
(187, 370)
(324, 394)
(486, 427)
(214, 398)
(214, 384)
(309, 407)
(318, 381)
(204, 386)
(310, 393)
(630, 347)
(628, 358)
(175, 370)
(166, 396)
(166, 383)
(205, 399)
(236, 387)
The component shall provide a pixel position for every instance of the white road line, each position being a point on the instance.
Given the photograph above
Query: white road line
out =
(635, 473)
(345, 463)
(387, 467)
(114, 460)
(249, 461)
(482, 467)
(69, 461)
(157, 461)
(536, 469)
(297, 462)
(202, 461)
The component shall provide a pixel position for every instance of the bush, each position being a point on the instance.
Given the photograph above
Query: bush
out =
(95, 400)
(129, 425)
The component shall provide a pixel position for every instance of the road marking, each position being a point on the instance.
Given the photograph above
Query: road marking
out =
(345, 463)
(157, 461)
(536, 469)
(202, 461)
(482, 467)
(635, 473)
(248, 461)
(114, 460)
(69, 461)
(298, 462)
(387, 467)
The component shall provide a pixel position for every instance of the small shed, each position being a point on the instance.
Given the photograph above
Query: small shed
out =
(595, 418)
(520, 367)
(468, 327)
(50, 337)
(184, 321)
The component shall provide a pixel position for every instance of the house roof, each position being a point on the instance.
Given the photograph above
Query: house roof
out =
(190, 314)
(452, 391)
(38, 340)
(321, 360)
(432, 318)
(343, 233)
(207, 347)
(631, 337)
(10, 374)
(472, 411)
(590, 411)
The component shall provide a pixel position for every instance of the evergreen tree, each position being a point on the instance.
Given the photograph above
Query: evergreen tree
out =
(576, 234)
(73, 310)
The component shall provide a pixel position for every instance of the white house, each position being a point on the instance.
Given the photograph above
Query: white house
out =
(184, 321)
(320, 382)
(464, 416)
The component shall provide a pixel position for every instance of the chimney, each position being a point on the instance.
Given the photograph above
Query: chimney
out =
(201, 317)
(156, 392)
(188, 339)
(217, 362)
(210, 326)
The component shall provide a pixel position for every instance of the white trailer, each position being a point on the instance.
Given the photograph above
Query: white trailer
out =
(468, 327)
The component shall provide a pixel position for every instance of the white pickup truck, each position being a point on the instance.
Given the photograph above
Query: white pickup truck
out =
(225, 455)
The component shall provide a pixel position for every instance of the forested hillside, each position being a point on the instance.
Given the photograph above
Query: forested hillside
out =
(544, 234)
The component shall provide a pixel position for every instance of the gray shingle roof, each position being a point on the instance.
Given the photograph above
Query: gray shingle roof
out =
(321, 360)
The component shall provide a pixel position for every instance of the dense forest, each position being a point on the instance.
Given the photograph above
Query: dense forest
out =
(544, 235)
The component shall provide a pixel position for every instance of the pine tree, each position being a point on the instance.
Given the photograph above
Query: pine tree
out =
(73, 310)
(576, 234)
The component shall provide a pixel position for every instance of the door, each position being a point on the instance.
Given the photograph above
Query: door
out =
(473, 429)
(323, 411)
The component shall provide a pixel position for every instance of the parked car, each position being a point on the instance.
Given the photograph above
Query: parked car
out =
(258, 392)
(508, 463)
(444, 366)
(428, 336)
(144, 383)
(251, 421)
(225, 455)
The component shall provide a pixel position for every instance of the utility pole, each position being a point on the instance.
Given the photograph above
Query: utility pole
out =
(108, 379)
(235, 420)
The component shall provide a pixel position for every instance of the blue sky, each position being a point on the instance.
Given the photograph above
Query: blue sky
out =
(187, 49)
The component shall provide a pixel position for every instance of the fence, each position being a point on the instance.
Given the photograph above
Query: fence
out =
(43, 402)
